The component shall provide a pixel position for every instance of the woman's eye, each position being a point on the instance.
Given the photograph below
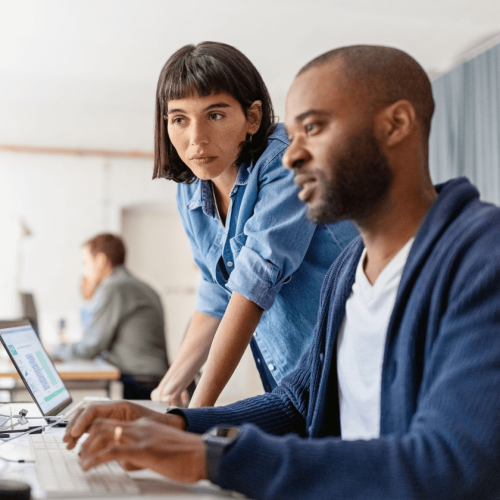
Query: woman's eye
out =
(177, 120)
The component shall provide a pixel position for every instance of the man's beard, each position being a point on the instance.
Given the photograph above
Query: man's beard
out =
(361, 179)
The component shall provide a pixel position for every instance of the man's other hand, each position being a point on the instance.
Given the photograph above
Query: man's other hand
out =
(145, 444)
(122, 411)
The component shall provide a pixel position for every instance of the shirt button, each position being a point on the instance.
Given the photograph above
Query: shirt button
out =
(229, 264)
(321, 357)
(270, 366)
(258, 361)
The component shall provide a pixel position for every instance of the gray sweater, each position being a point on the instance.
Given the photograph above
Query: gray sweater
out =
(127, 328)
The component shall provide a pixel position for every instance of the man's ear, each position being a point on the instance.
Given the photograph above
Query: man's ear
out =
(396, 122)
(254, 117)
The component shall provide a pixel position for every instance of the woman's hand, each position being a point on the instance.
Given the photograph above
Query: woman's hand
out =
(122, 411)
(146, 443)
(163, 393)
(188, 361)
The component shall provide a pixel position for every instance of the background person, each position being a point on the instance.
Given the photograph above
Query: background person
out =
(126, 326)
(416, 416)
(257, 251)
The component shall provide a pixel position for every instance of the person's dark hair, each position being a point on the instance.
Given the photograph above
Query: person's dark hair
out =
(110, 245)
(389, 75)
(208, 68)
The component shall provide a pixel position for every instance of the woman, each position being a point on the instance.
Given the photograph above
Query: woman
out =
(262, 261)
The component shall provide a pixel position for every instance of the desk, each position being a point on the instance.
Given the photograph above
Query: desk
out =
(152, 485)
(93, 372)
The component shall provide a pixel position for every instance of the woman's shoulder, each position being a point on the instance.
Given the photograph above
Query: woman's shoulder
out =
(187, 192)
(277, 143)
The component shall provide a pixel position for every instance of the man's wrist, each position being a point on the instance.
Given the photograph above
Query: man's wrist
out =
(218, 441)
(181, 421)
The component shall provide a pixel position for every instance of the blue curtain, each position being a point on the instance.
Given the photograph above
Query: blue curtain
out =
(465, 132)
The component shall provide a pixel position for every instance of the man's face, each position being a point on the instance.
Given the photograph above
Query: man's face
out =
(92, 267)
(337, 159)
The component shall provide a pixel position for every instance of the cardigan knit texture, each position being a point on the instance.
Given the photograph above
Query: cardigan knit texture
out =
(440, 390)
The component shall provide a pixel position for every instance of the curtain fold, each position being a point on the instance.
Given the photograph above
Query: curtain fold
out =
(465, 131)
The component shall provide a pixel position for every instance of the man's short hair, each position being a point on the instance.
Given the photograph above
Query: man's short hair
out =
(388, 74)
(110, 245)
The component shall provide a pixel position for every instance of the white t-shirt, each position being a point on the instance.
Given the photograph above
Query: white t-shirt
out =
(361, 344)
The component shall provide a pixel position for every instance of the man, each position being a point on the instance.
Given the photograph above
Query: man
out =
(126, 323)
(399, 395)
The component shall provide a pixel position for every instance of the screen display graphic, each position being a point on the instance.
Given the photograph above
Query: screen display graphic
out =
(36, 367)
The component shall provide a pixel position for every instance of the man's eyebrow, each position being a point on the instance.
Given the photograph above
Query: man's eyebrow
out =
(308, 113)
(208, 108)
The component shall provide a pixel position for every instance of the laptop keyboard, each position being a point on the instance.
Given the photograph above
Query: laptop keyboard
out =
(60, 474)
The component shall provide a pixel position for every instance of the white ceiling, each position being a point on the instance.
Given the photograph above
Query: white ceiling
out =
(82, 74)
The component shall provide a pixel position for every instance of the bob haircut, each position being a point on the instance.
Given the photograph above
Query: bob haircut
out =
(205, 69)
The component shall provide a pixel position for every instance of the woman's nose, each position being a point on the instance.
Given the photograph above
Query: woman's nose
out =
(199, 134)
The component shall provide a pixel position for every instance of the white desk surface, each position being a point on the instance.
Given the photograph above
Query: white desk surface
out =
(152, 485)
(72, 370)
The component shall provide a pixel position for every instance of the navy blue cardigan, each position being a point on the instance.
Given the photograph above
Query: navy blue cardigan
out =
(440, 399)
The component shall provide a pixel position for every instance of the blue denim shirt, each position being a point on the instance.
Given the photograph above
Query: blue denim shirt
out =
(268, 251)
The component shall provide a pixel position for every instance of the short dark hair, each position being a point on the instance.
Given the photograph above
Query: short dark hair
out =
(389, 74)
(208, 68)
(110, 245)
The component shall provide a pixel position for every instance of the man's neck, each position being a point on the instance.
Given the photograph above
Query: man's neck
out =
(387, 231)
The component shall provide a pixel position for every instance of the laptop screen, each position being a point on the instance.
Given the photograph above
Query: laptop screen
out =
(35, 367)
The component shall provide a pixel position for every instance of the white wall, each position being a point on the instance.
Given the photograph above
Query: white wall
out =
(63, 200)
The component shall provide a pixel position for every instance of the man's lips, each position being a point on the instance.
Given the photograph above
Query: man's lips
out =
(306, 182)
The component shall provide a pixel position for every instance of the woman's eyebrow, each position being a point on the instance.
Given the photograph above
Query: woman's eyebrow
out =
(208, 108)
(218, 105)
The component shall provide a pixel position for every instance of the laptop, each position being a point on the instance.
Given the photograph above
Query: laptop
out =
(36, 370)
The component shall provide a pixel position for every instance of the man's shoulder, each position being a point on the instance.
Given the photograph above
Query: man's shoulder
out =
(123, 281)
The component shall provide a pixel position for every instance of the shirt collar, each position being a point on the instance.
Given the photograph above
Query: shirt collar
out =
(202, 196)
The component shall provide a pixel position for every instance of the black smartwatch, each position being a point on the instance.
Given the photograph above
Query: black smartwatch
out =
(217, 441)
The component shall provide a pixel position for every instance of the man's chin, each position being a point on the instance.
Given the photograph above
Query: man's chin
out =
(317, 213)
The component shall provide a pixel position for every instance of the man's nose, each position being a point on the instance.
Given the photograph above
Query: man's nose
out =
(198, 133)
(296, 154)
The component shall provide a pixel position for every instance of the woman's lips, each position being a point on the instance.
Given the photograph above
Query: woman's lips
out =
(203, 160)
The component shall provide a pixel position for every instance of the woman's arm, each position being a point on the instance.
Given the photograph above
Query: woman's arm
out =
(190, 358)
(233, 335)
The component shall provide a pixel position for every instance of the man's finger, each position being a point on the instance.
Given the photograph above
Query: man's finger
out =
(111, 452)
(101, 435)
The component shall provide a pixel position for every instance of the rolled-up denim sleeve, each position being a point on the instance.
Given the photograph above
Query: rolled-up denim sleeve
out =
(211, 299)
(278, 236)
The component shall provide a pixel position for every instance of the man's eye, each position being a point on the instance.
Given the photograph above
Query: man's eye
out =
(215, 116)
(310, 127)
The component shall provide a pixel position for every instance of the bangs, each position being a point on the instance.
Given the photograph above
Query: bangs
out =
(200, 75)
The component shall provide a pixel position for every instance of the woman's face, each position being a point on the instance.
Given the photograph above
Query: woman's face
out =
(207, 132)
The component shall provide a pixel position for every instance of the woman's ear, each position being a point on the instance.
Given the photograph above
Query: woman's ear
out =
(396, 122)
(254, 117)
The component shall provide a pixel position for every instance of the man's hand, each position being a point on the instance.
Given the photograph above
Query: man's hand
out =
(146, 443)
(87, 288)
(122, 411)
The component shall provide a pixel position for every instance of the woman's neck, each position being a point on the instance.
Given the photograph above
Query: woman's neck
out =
(222, 189)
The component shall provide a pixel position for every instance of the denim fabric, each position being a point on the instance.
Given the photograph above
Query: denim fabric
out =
(269, 252)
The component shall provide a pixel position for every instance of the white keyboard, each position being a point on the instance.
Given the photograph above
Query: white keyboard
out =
(60, 474)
